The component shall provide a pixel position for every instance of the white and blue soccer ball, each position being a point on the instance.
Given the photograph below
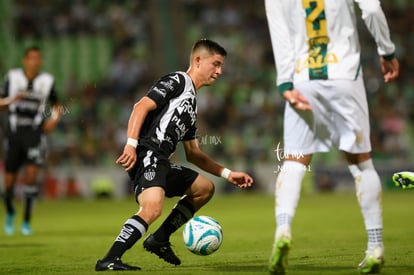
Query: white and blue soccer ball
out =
(202, 235)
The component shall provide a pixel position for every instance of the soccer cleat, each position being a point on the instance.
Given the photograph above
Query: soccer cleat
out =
(9, 225)
(279, 261)
(403, 179)
(26, 230)
(161, 249)
(114, 264)
(373, 261)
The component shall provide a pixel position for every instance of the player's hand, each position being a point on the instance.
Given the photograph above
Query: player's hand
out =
(128, 157)
(240, 179)
(297, 100)
(9, 100)
(19, 96)
(390, 69)
(52, 122)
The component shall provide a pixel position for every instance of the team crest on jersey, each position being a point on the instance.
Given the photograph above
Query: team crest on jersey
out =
(149, 174)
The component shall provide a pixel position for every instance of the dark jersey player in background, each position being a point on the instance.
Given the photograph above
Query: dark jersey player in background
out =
(26, 94)
(161, 119)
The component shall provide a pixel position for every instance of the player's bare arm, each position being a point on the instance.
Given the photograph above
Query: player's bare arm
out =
(6, 101)
(201, 160)
(390, 69)
(138, 115)
(297, 100)
(53, 121)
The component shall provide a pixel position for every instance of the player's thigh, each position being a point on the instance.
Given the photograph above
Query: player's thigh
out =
(35, 146)
(151, 202)
(200, 192)
(179, 179)
(201, 187)
(15, 154)
(149, 171)
(31, 174)
(350, 115)
(306, 132)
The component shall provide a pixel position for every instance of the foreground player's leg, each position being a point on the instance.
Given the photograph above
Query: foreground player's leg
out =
(8, 202)
(373, 261)
(403, 179)
(197, 195)
(288, 186)
(132, 230)
(368, 190)
(30, 193)
(158, 243)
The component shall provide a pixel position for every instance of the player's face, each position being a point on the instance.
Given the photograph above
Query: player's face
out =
(32, 61)
(211, 66)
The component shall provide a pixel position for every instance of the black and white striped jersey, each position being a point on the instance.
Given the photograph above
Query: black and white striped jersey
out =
(31, 109)
(174, 119)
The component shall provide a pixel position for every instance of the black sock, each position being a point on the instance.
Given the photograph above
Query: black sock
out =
(8, 201)
(30, 193)
(132, 230)
(181, 213)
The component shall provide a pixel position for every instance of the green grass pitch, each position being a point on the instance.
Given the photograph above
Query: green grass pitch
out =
(328, 236)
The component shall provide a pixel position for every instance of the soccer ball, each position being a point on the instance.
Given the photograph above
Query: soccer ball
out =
(202, 235)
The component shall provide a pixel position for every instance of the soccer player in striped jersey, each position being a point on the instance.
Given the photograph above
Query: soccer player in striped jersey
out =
(317, 54)
(159, 120)
(25, 95)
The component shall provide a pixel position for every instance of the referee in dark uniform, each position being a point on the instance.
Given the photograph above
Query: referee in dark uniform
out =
(26, 94)
(159, 120)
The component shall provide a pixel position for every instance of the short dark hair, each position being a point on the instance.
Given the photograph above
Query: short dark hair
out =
(211, 46)
(31, 48)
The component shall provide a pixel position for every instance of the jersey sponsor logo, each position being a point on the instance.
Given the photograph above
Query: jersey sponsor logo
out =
(315, 62)
(168, 84)
(161, 92)
(317, 30)
(187, 106)
(180, 129)
(184, 117)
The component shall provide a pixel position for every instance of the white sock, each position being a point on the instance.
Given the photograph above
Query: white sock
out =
(287, 192)
(368, 191)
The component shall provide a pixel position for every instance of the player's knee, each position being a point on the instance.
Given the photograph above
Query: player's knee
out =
(150, 213)
(207, 191)
(201, 192)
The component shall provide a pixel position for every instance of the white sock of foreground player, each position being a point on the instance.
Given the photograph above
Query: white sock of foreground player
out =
(368, 191)
(288, 186)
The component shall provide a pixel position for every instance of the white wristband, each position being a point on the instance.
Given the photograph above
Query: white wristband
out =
(133, 142)
(55, 115)
(225, 173)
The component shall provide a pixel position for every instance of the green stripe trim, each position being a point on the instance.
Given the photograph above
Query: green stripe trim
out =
(389, 57)
(357, 72)
(285, 87)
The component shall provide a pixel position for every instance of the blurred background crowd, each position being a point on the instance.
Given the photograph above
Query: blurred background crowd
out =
(106, 54)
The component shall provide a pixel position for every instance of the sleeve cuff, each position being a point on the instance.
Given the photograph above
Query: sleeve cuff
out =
(285, 87)
(389, 57)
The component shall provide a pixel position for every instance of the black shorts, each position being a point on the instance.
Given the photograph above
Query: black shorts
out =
(151, 170)
(25, 146)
